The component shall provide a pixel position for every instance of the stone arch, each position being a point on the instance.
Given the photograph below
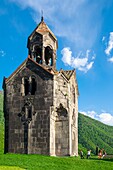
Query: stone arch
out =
(48, 55)
(37, 54)
(61, 111)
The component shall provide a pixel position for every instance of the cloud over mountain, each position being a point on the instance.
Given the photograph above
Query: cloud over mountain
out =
(103, 117)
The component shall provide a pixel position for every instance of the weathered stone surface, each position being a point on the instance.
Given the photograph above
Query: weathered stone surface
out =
(41, 103)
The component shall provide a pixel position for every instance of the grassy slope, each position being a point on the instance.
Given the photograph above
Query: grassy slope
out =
(93, 132)
(39, 162)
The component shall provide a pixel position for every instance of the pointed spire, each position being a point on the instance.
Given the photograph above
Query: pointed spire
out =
(42, 18)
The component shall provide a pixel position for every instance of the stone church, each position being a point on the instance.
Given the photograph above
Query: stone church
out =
(40, 102)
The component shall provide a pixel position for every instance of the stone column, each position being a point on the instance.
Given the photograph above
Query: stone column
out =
(52, 121)
(76, 110)
(52, 135)
(22, 87)
(30, 149)
(30, 85)
(32, 53)
(70, 128)
(54, 59)
(43, 55)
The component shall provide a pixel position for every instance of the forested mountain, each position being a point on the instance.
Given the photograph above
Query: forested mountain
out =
(90, 131)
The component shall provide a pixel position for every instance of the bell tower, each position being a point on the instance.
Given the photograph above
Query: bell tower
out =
(40, 102)
(42, 46)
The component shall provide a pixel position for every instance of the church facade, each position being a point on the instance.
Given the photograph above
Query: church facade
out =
(40, 102)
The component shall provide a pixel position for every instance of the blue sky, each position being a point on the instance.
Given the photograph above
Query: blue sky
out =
(84, 30)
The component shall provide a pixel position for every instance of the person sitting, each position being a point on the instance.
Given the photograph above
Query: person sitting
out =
(100, 154)
(104, 153)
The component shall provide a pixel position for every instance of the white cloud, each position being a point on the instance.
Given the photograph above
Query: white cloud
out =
(103, 38)
(110, 44)
(91, 113)
(110, 59)
(67, 55)
(81, 62)
(83, 112)
(89, 66)
(103, 117)
(71, 20)
(2, 53)
(106, 118)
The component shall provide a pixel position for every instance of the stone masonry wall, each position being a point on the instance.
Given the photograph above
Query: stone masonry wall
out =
(29, 135)
(62, 137)
(62, 116)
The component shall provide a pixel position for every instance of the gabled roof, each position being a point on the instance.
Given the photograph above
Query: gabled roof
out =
(52, 72)
(42, 28)
(48, 70)
(67, 73)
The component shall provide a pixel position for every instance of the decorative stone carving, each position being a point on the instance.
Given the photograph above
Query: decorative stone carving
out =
(27, 111)
(61, 111)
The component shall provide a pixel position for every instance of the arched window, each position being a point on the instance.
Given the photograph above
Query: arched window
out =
(48, 56)
(26, 86)
(33, 86)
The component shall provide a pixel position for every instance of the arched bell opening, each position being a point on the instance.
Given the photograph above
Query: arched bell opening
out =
(38, 54)
(48, 56)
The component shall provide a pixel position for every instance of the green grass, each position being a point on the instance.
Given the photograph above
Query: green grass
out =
(10, 168)
(39, 162)
(1, 138)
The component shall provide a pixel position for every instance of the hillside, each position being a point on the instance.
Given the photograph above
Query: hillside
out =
(92, 132)
(1, 107)
(1, 124)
